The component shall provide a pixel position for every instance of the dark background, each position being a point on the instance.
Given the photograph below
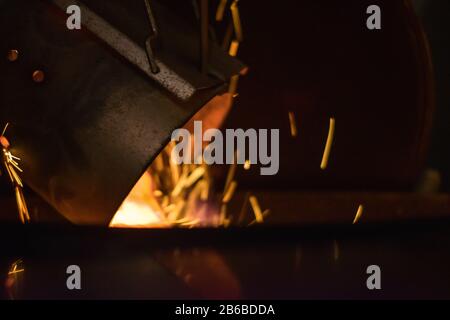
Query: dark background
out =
(435, 15)
(298, 60)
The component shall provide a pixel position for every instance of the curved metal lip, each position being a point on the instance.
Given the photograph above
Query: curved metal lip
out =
(87, 133)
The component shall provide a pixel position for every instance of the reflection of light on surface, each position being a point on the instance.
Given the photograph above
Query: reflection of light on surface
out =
(15, 274)
(15, 268)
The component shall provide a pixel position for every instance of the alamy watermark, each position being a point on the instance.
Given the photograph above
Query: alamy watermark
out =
(374, 280)
(237, 146)
(373, 21)
(73, 281)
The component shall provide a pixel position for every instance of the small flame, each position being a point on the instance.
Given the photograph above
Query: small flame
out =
(136, 215)
(139, 210)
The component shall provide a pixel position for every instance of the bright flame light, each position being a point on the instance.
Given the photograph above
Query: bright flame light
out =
(136, 215)
(137, 210)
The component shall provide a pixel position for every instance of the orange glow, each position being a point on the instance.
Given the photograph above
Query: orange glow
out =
(169, 194)
(140, 209)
